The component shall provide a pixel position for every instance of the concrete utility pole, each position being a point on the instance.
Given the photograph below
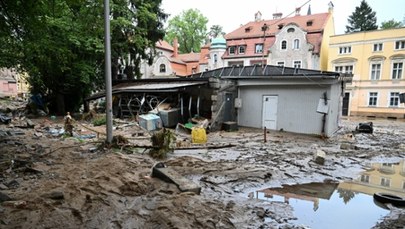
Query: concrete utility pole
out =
(107, 47)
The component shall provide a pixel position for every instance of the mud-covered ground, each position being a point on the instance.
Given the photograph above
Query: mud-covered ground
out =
(51, 181)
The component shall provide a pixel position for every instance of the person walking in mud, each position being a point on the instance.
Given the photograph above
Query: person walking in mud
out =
(68, 124)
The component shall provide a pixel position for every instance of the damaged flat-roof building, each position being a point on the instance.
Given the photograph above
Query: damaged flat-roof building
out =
(272, 97)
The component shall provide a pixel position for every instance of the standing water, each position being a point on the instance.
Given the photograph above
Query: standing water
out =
(341, 205)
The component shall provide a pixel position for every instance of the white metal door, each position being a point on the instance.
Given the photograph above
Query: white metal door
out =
(270, 112)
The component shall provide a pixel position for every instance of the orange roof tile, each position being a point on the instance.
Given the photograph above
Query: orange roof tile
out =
(162, 44)
(254, 29)
(204, 55)
(189, 57)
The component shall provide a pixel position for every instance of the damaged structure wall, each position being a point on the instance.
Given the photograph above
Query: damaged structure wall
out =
(200, 103)
(223, 96)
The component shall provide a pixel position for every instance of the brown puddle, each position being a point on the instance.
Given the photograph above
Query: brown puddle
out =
(341, 205)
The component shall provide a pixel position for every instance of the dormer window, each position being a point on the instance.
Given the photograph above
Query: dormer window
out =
(280, 26)
(309, 23)
(290, 30)
(242, 49)
(248, 29)
(232, 50)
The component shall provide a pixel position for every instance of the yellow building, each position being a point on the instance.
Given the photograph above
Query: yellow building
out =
(376, 59)
(384, 178)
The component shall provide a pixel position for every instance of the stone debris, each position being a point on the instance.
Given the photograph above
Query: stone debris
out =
(77, 179)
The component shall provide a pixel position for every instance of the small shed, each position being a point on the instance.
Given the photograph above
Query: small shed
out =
(277, 98)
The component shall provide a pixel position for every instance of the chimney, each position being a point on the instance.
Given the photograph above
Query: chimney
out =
(277, 15)
(258, 16)
(297, 11)
(331, 6)
(175, 47)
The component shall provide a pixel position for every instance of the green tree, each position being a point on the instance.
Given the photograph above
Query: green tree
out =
(60, 43)
(136, 26)
(362, 19)
(190, 29)
(216, 30)
(390, 24)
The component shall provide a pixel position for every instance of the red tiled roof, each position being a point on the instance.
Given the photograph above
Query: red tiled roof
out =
(189, 57)
(254, 29)
(315, 39)
(204, 55)
(250, 46)
(162, 44)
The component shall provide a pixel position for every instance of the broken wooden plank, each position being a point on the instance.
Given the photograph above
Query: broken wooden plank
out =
(168, 174)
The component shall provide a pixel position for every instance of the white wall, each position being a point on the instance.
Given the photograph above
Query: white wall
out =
(296, 112)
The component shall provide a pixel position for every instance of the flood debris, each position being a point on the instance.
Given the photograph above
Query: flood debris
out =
(4, 119)
(163, 142)
(68, 124)
(320, 157)
(160, 170)
(365, 127)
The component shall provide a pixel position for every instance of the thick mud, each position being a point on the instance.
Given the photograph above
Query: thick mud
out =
(49, 181)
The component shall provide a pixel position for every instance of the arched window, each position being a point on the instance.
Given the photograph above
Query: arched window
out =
(284, 45)
(296, 44)
(162, 68)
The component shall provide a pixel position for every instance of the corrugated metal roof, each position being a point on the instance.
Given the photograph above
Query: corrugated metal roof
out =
(149, 86)
(155, 86)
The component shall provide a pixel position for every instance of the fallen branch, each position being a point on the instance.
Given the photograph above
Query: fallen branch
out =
(206, 147)
(72, 146)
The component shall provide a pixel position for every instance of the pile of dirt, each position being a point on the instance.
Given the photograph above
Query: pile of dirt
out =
(49, 180)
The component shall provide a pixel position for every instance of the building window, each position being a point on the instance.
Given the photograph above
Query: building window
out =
(232, 50)
(394, 99)
(400, 45)
(377, 47)
(375, 71)
(290, 30)
(259, 48)
(365, 178)
(280, 63)
(162, 68)
(235, 64)
(397, 70)
(296, 44)
(372, 98)
(215, 58)
(297, 64)
(284, 45)
(386, 182)
(242, 49)
(344, 69)
(345, 50)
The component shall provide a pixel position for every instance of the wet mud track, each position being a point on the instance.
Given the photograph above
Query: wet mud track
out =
(60, 183)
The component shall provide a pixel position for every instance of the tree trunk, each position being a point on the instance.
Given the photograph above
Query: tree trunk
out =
(129, 72)
(60, 103)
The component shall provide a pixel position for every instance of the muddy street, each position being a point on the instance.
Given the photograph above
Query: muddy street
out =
(50, 181)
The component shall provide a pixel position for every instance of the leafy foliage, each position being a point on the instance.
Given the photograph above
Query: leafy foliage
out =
(216, 30)
(190, 28)
(362, 19)
(391, 24)
(163, 143)
(60, 43)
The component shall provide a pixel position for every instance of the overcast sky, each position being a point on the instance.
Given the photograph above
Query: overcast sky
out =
(231, 14)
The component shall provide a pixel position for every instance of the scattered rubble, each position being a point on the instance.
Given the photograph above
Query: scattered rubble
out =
(52, 180)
